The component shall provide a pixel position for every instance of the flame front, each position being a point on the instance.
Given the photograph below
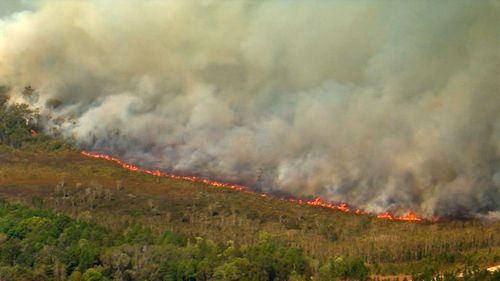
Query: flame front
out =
(157, 173)
(410, 216)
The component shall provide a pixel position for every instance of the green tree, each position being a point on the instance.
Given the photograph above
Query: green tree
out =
(348, 269)
(236, 269)
(14, 125)
(93, 275)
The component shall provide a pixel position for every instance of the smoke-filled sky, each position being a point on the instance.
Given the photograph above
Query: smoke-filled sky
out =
(381, 104)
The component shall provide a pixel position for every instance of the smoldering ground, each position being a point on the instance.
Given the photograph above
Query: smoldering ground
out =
(382, 105)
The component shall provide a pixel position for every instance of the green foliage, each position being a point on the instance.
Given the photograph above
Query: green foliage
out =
(169, 237)
(234, 269)
(138, 235)
(271, 260)
(17, 124)
(81, 246)
(14, 125)
(93, 275)
(345, 269)
(37, 244)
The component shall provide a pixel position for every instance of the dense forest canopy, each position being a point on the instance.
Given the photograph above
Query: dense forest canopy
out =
(41, 245)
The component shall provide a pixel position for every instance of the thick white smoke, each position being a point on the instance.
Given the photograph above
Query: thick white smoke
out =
(380, 104)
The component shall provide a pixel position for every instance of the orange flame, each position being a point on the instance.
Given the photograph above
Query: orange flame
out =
(410, 216)
(387, 216)
(157, 173)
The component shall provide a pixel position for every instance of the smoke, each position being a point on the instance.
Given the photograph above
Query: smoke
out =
(386, 105)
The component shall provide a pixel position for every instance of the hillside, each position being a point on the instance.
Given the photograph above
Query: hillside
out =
(65, 215)
(66, 182)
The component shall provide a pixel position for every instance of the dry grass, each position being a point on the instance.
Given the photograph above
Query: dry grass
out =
(221, 214)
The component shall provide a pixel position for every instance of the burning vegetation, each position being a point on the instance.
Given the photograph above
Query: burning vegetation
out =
(139, 208)
(410, 216)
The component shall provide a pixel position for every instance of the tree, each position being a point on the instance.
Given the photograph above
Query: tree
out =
(30, 94)
(349, 269)
(75, 276)
(236, 269)
(93, 275)
(14, 127)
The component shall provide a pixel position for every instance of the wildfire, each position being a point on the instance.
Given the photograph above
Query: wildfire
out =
(318, 202)
(410, 216)
(157, 173)
(386, 216)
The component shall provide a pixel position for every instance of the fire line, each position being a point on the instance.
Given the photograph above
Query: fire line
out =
(410, 216)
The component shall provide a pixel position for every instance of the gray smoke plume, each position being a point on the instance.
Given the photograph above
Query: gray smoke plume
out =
(384, 105)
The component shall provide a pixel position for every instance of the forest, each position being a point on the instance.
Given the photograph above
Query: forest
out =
(38, 244)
